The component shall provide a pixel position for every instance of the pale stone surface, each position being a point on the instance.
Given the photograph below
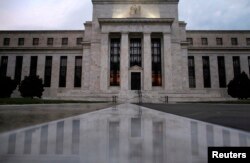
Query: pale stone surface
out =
(122, 133)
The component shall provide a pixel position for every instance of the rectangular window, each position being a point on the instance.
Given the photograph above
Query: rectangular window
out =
(156, 62)
(190, 41)
(79, 41)
(115, 46)
(222, 71)
(65, 41)
(50, 41)
(33, 65)
(206, 72)
(4, 66)
(135, 52)
(219, 41)
(234, 41)
(78, 71)
(63, 71)
(35, 41)
(204, 41)
(6, 41)
(18, 68)
(191, 72)
(236, 66)
(249, 65)
(48, 71)
(21, 41)
(248, 41)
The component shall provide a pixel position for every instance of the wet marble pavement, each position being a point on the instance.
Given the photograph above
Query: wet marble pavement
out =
(123, 134)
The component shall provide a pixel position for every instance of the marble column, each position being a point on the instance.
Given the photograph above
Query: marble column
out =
(167, 59)
(55, 71)
(124, 61)
(104, 61)
(26, 66)
(70, 72)
(147, 62)
(229, 68)
(214, 72)
(41, 66)
(198, 72)
(244, 64)
(86, 66)
(11, 66)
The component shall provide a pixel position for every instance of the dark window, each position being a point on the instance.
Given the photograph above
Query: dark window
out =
(204, 41)
(33, 65)
(6, 41)
(35, 41)
(156, 62)
(18, 69)
(115, 62)
(248, 41)
(135, 52)
(222, 71)
(64, 41)
(234, 41)
(48, 71)
(4, 65)
(63, 71)
(21, 41)
(79, 41)
(219, 41)
(236, 65)
(190, 41)
(206, 72)
(191, 72)
(50, 41)
(78, 71)
(249, 65)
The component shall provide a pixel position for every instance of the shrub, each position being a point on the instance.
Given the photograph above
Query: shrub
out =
(31, 86)
(239, 87)
(7, 86)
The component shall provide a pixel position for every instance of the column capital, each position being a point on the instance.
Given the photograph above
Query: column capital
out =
(124, 33)
(146, 33)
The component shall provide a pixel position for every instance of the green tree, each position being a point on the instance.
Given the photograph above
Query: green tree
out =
(31, 86)
(7, 86)
(239, 87)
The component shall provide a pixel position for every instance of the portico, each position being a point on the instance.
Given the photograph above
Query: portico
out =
(142, 31)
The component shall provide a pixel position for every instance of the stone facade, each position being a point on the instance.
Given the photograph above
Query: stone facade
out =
(125, 20)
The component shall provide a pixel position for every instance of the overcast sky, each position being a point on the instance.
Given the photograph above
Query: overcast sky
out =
(71, 14)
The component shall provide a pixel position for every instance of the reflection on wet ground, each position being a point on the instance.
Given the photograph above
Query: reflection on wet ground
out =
(123, 134)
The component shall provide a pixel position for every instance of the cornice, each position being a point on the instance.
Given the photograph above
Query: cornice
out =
(134, 1)
(136, 20)
(219, 48)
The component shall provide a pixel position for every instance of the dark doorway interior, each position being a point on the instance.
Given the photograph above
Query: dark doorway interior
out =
(135, 81)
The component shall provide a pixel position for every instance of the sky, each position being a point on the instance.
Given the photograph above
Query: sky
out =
(71, 14)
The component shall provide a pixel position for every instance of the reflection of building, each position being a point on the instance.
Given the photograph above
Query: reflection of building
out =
(127, 47)
(127, 133)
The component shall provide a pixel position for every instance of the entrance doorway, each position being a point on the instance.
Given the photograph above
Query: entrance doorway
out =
(135, 81)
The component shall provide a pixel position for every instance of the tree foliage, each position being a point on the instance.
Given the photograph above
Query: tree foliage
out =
(239, 87)
(7, 86)
(31, 86)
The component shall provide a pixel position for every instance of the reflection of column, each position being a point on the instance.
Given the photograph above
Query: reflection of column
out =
(124, 141)
(28, 141)
(124, 61)
(104, 61)
(147, 62)
(148, 141)
(44, 139)
(75, 137)
(59, 137)
(168, 78)
(210, 135)
(226, 138)
(12, 144)
(51, 139)
(67, 138)
(158, 142)
(194, 138)
(114, 142)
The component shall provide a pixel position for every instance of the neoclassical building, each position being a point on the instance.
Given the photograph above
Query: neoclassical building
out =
(128, 46)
